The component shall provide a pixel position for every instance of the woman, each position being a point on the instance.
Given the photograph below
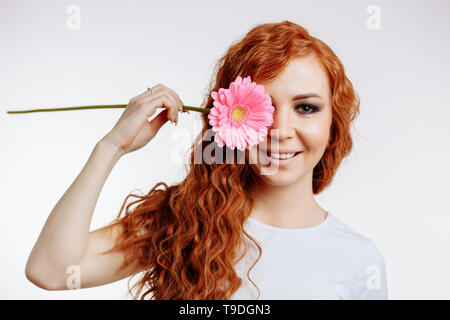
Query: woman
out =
(228, 231)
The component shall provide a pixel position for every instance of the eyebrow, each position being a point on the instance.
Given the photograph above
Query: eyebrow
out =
(303, 96)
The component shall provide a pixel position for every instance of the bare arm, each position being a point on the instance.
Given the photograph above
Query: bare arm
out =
(65, 239)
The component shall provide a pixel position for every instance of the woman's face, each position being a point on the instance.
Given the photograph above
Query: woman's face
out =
(299, 124)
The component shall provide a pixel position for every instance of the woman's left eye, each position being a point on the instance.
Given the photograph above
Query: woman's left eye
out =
(309, 108)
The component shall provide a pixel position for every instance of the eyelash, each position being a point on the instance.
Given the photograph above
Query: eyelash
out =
(312, 107)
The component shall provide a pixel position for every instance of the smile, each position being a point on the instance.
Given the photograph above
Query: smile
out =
(280, 160)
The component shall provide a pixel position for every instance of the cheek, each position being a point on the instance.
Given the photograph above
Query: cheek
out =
(315, 133)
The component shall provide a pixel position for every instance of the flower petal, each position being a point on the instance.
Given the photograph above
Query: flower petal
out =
(248, 130)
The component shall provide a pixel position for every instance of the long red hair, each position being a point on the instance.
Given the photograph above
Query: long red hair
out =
(186, 236)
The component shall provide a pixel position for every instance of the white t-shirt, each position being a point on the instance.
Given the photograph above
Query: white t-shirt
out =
(326, 261)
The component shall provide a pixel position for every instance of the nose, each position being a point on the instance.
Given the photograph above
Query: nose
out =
(282, 127)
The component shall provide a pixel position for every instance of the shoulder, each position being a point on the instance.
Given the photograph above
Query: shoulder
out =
(370, 281)
(363, 251)
(368, 264)
(361, 245)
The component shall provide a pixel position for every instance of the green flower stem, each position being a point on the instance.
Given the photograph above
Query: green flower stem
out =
(205, 110)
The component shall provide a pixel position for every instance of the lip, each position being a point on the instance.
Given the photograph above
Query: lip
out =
(281, 162)
(283, 151)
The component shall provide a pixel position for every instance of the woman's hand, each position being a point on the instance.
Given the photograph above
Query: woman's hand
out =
(133, 130)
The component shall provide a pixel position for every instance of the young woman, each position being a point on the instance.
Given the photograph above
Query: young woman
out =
(227, 231)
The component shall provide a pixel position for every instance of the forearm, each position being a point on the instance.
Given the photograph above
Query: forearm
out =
(64, 236)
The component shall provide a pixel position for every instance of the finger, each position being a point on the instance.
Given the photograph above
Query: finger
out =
(158, 121)
(172, 92)
(175, 106)
(149, 92)
(175, 98)
(172, 96)
(152, 90)
(159, 88)
(178, 100)
(148, 105)
(136, 103)
(149, 129)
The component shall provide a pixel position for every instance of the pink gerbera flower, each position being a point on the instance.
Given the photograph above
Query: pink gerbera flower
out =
(241, 114)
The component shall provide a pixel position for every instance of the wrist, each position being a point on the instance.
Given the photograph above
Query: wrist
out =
(107, 144)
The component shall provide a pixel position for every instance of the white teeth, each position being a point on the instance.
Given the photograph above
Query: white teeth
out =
(282, 155)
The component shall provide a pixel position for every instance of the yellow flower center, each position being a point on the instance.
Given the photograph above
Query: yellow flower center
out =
(238, 114)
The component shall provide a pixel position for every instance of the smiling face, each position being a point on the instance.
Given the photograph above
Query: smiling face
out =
(299, 124)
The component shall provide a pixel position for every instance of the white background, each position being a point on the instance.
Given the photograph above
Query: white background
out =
(393, 188)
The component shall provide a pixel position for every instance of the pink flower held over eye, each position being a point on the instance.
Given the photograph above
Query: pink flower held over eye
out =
(241, 114)
(239, 118)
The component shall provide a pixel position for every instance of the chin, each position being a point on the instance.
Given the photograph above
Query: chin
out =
(277, 181)
(282, 178)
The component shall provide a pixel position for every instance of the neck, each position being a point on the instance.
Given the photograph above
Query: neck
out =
(287, 206)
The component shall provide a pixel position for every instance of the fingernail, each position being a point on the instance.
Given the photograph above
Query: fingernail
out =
(174, 114)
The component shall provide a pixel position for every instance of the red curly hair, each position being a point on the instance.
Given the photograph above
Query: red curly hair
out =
(187, 236)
